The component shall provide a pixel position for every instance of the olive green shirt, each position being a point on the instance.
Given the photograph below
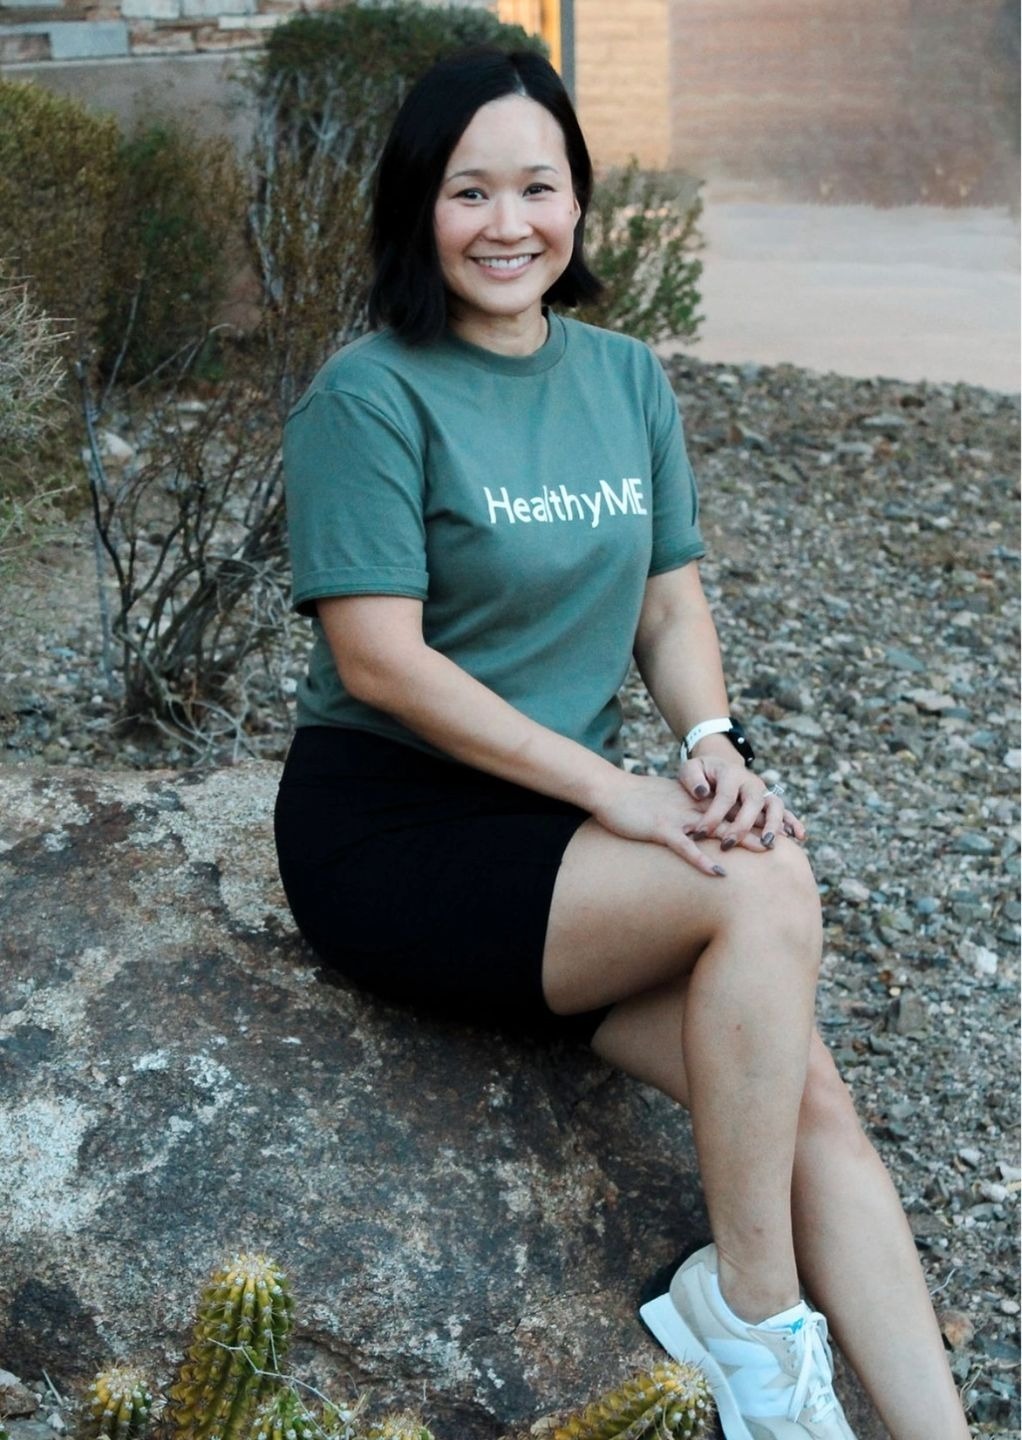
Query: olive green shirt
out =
(525, 500)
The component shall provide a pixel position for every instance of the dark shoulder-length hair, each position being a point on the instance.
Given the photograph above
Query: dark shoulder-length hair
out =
(408, 290)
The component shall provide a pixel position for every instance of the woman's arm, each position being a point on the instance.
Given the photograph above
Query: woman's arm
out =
(384, 661)
(678, 656)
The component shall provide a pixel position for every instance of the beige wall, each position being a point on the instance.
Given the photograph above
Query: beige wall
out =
(884, 101)
(621, 79)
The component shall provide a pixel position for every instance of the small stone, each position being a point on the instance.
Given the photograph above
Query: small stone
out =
(1010, 1174)
(972, 844)
(854, 891)
(902, 660)
(15, 1398)
(982, 960)
(931, 702)
(30, 1430)
(908, 1015)
(1009, 1307)
(802, 725)
(956, 1328)
(883, 421)
(970, 1156)
(992, 1191)
(1013, 760)
(927, 905)
(114, 449)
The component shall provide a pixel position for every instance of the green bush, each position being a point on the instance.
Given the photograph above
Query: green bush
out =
(129, 241)
(179, 208)
(640, 237)
(58, 177)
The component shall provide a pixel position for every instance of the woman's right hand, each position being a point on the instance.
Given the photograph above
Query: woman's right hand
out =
(650, 808)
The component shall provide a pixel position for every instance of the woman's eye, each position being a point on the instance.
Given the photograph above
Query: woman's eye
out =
(472, 194)
(539, 188)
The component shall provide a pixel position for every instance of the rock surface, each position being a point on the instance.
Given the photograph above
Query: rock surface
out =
(465, 1217)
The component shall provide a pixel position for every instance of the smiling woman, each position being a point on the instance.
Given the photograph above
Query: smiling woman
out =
(490, 511)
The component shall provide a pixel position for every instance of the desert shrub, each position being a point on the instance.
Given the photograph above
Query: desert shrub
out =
(179, 209)
(58, 177)
(32, 409)
(641, 235)
(188, 507)
(31, 368)
(328, 88)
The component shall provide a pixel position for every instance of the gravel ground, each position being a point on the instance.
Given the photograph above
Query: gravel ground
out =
(863, 570)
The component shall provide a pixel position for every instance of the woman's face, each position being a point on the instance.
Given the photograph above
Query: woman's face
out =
(504, 223)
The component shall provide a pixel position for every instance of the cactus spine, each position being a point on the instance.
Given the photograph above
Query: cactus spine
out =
(241, 1333)
(672, 1402)
(119, 1405)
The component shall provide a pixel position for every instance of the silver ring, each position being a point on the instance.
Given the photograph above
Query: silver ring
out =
(777, 790)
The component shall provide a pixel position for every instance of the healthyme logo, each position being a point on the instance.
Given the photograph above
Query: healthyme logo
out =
(563, 504)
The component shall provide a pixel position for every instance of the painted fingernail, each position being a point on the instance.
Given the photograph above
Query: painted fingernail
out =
(729, 843)
(699, 834)
(719, 870)
(768, 839)
(702, 791)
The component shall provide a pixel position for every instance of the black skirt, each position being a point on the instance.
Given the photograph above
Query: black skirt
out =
(424, 880)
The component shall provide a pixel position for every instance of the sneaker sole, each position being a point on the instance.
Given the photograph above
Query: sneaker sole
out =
(668, 1329)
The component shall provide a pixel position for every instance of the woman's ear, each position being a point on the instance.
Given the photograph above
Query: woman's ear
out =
(577, 208)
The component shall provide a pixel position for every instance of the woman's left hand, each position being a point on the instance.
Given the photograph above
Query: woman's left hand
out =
(741, 809)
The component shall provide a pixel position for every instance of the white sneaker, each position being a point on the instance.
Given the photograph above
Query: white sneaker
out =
(771, 1381)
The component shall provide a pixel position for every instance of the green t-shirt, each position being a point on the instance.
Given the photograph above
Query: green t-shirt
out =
(523, 499)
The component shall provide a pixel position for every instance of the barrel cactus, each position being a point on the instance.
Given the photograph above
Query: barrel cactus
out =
(119, 1403)
(241, 1333)
(285, 1416)
(672, 1402)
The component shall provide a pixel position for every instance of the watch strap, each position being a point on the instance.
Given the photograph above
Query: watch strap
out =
(700, 732)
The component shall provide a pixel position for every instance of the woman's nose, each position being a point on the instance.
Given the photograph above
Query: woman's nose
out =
(508, 220)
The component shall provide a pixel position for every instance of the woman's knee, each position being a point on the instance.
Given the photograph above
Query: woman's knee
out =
(776, 895)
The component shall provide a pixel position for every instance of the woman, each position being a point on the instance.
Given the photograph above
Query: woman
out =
(490, 511)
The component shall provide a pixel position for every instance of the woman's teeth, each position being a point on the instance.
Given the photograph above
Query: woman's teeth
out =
(514, 263)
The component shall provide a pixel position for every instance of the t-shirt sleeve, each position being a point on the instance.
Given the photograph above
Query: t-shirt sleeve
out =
(676, 535)
(354, 485)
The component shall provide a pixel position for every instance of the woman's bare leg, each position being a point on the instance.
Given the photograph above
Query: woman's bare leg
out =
(852, 1244)
(626, 916)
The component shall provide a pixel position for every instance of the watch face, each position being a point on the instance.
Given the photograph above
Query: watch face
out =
(740, 741)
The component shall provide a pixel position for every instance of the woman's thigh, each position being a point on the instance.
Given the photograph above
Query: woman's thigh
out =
(627, 916)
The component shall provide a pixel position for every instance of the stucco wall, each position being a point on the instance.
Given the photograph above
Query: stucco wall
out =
(884, 101)
(622, 79)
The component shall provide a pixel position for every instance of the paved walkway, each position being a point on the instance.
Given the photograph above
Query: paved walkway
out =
(916, 293)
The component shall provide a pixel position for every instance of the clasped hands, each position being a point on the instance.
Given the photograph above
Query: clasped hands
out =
(713, 799)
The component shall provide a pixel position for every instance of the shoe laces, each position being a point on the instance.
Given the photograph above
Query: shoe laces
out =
(807, 1345)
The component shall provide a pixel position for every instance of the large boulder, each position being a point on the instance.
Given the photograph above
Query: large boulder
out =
(466, 1218)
